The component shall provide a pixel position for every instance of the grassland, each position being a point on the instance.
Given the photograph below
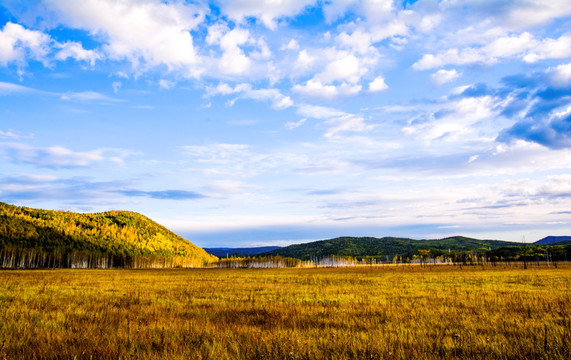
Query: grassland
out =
(302, 313)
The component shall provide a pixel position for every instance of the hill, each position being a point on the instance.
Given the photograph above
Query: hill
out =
(382, 247)
(224, 252)
(561, 240)
(47, 238)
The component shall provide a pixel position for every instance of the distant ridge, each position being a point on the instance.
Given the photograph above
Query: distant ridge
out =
(386, 246)
(223, 252)
(46, 238)
(561, 240)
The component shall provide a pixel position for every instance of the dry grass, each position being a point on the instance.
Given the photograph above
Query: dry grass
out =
(324, 313)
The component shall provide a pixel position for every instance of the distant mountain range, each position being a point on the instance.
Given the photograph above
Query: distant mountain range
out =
(377, 247)
(552, 240)
(47, 238)
(386, 246)
(250, 251)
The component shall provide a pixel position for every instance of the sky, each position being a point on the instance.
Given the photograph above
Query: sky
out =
(272, 122)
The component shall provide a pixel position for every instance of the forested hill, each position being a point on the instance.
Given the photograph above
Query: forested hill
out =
(381, 247)
(46, 238)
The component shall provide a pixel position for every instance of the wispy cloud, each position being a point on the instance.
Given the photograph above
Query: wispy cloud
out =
(88, 96)
(14, 135)
(79, 191)
(15, 89)
(163, 194)
(59, 157)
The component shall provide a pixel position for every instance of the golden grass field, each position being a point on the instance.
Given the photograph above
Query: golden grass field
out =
(412, 312)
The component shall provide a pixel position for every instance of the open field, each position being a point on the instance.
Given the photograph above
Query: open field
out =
(312, 313)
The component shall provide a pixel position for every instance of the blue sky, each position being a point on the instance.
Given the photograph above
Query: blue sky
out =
(244, 123)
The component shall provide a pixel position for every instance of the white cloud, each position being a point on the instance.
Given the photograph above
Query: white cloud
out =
(523, 46)
(58, 156)
(116, 85)
(318, 112)
(245, 91)
(561, 75)
(346, 123)
(429, 22)
(87, 96)
(314, 88)
(377, 9)
(461, 119)
(13, 89)
(266, 10)
(11, 134)
(536, 12)
(344, 67)
(378, 84)
(335, 120)
(451, 56)
(279, 101)
(237, 160)
(509, 45)
(360, 41)
(291, 45)
(74, 50)
(18, 43)
(143, 32)
(292, 125)
(332, 10)
(304, 61)
(550, 49)
(444, 76)
(233, 60)
(166, 84)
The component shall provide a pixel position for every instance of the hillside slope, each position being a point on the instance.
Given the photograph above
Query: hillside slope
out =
(46, 238)
(554, 240)
(387, 246)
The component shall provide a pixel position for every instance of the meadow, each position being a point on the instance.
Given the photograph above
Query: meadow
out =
(362, 312)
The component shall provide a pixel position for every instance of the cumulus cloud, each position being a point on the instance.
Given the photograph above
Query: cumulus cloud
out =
(234, 60)
(17, 44)
(304, 61)
(343, 67)
(444, 76)
(550, 49)
(378, 84)
(143, 32)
